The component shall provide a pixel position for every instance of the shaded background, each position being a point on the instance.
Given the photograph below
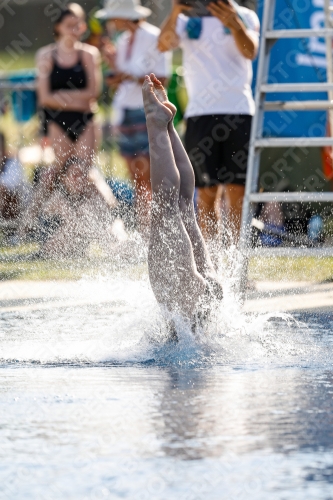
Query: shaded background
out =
(33, 18)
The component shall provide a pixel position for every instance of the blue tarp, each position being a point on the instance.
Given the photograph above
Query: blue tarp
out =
(296, 61)
(24, 102)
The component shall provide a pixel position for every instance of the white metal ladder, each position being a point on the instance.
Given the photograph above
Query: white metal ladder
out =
(258, 142)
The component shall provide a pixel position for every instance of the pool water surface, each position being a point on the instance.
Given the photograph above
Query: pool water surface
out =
(95, 405)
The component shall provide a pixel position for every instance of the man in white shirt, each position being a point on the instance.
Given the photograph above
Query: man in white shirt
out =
(217, 54)
(136, 56)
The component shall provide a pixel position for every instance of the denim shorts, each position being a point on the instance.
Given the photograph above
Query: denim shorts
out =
(132, 136)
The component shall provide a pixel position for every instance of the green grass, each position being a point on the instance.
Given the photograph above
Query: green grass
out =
(9, 63)
(291, 269)
(16, 264)
(69, 270)
(19, 263)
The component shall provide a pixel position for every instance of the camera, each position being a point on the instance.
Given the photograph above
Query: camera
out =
(110, 74)
(199, 7)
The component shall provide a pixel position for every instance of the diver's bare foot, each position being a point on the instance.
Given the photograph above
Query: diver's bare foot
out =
(161, 94)
(156, 111)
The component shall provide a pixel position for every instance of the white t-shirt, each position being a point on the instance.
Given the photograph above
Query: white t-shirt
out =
(145, 58)
(217, 76)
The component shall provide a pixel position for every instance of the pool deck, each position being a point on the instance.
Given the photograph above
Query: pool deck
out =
(267, 296)
(272, 296)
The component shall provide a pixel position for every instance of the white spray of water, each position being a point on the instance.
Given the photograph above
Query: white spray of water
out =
(113, 319)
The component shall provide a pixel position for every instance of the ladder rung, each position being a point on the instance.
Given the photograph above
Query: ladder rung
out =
(297, 105)
(289, 252)
(286, 142)
(297, 196)
(300, 33)
(296, 87)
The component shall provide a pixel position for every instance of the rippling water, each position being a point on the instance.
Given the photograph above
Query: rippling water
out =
(95, 405)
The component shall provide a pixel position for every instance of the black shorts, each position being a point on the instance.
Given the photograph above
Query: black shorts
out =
(218, 147)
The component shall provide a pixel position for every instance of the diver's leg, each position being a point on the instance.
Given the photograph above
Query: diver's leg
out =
(186, 205)
(173, 274)
(186, 192)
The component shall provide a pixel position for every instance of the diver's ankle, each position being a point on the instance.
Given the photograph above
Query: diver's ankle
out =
(171, 126)
(154, 122)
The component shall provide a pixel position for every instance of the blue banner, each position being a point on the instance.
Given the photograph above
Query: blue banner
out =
(296, 61)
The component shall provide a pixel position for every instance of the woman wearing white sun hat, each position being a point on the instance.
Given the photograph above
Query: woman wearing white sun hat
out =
(136, 55)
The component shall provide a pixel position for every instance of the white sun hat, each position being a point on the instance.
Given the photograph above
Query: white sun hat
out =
(123, 9)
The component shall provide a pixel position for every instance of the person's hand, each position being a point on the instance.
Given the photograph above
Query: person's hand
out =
(226, 13)
(115, 80)
(108, 51)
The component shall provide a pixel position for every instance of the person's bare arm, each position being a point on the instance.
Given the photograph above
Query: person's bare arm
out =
(168, 39)
(44, 65)
(246, 43)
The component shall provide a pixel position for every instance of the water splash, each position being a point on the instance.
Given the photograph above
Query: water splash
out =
(113, 319)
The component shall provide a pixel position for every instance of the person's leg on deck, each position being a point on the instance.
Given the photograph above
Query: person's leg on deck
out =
(132, 140)
(139, 169)
(208, 214)
(234, 195)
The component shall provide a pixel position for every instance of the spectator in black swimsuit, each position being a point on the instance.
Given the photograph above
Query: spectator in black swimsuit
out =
(69, 82)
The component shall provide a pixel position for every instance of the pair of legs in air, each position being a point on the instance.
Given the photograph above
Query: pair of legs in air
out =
(180, 268)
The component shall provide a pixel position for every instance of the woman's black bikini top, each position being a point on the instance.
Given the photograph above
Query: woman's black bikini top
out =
(71, 78)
